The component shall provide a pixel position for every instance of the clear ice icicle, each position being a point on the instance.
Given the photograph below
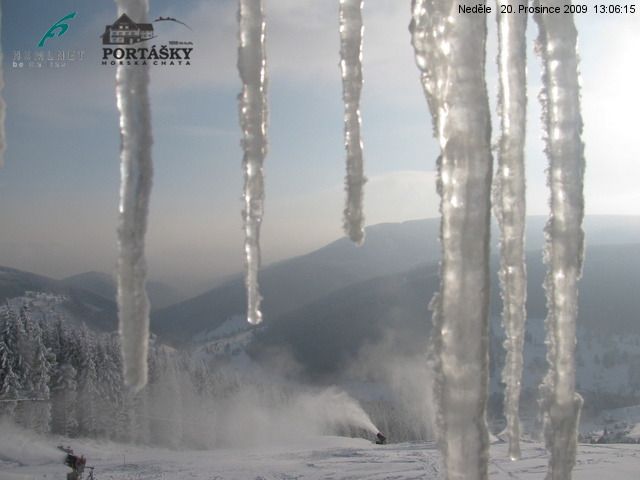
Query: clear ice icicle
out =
(351, 31)
(564, 246)
(510, 205)
(136, 171)
(450, 52)
(253, 121)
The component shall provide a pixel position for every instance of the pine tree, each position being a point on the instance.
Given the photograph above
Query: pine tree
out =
(35, 411)
(42, 367)
(10, 363)
(113, 422)
(64, 392)
(87, 384)
(9, 383)
(64, 385)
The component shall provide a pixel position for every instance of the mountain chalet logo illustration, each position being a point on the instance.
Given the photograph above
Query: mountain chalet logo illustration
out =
(41, 58)
(124, 43)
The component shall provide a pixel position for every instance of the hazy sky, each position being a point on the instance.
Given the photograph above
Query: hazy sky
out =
(59, 187)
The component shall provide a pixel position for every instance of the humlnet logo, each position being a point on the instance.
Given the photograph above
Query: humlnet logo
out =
(124, 43)
(58, 29)
(44, 57)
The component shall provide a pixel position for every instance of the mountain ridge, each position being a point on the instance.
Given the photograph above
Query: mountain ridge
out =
(389, 248)
(101, 283)
(83, 306)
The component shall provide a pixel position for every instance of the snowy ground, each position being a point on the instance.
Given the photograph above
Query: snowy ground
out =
(321, 458)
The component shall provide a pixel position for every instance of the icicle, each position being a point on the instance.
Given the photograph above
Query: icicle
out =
(509, 206)
(450, 52)
(3, 106)
(253, 120)
(136, 172)
(351, 31)
(564, 248)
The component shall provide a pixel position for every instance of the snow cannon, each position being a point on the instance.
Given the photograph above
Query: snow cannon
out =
(74, 462)
(380, 438)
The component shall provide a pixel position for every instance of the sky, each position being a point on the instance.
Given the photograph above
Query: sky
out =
(59, 186)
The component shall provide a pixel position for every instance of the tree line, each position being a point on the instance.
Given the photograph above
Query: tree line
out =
(61, 378)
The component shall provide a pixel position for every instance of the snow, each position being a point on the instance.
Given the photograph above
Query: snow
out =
(313, 458)
(510, 208)
(136, 170)
(351, 31)
(450, 53)
(42, 305)
(231, 326)
(564, 248)
(253, 120)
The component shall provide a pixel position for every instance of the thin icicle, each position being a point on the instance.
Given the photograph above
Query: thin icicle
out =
(510, 206)
(564, 248)
(253, 120)
(3, 106)
(450, 52)
(136, 170)
(351, 31)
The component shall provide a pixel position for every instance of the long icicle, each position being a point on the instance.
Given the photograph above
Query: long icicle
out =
(450, 52)
(136, 170)
(3, 105)
(351, 31)
(253, 120)
(510, 205)
(564, 246)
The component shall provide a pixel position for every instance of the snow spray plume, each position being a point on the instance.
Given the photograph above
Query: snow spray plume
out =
(510, 206)
(136, 171)
(25, 447)
(351, 31)
(3, 106)
(409, 381)
(335, 409)
(450, 52)
(564, 245)
(267, 414)
(253, 120)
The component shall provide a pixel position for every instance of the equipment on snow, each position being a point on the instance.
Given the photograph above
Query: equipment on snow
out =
(75, 463)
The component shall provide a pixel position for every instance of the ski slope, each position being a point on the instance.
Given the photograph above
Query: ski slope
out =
(311, 459)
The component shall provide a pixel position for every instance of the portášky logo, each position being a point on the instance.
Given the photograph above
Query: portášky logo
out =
(125, 31)
(121, 44)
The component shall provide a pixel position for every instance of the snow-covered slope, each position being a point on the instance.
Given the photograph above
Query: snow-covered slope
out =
(326, 335)
(79, 305)
(309, 459)
(607, 366)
